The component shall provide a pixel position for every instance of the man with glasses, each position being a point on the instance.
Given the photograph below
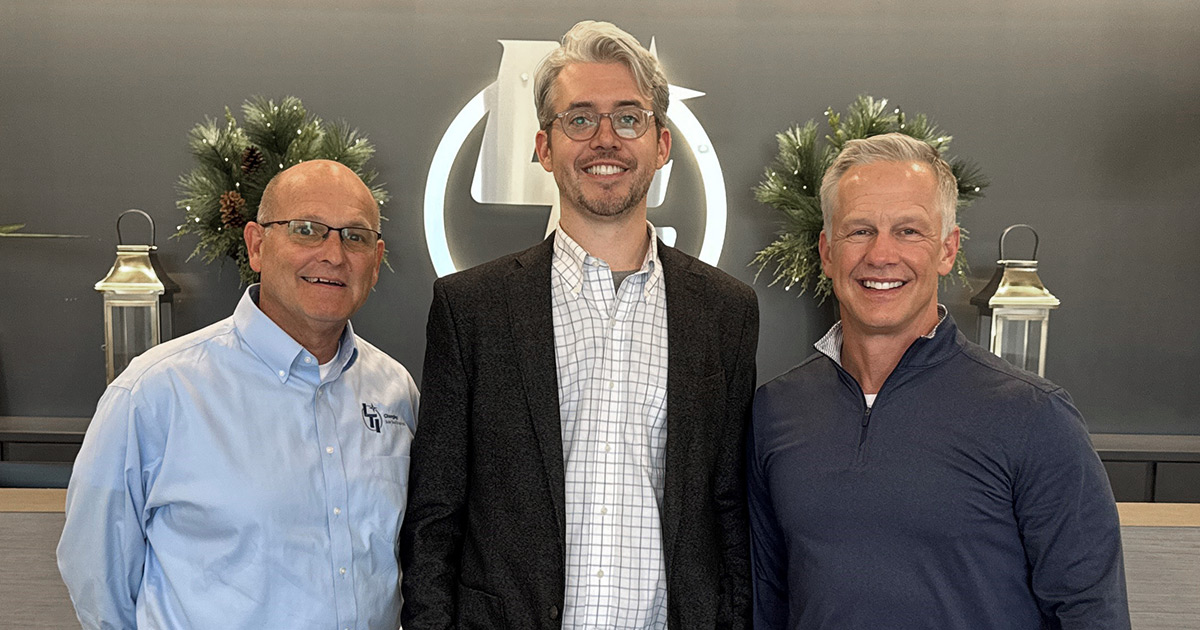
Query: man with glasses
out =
(581, 449)
(253, 474)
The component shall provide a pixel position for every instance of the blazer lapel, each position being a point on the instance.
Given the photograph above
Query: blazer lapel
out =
(686, 314)
(531, 318)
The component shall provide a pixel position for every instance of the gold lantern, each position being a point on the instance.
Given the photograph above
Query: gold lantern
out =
(137, 302)
(1014, 310)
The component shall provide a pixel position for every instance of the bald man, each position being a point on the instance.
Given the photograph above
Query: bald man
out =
(253, 474)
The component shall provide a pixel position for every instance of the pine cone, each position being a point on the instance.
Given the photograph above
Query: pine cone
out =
(232, 205)
(252, 159)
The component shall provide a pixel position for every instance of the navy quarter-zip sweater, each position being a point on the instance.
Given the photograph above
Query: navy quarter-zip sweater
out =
(968, 497)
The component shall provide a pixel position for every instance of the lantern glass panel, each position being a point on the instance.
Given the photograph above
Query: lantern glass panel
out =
(134, 331)
(1019, 337)
(985, 330)
(166, 319)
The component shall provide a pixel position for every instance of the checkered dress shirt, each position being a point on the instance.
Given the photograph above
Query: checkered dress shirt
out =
(611, 349)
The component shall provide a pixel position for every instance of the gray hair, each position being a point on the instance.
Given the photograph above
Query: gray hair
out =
(600, 42)
(891, 147)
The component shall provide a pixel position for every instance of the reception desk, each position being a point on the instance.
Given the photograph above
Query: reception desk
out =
(1162, 562)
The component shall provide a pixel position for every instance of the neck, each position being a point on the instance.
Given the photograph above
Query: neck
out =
(320, 340)
(323, 349)
(871, 357)
(871, 361)
(621, 242)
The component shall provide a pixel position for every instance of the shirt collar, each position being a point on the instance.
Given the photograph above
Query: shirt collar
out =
(274, 347)
(571, 259)
(831, 344)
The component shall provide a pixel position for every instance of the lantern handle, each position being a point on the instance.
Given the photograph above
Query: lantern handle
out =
(1013, 227)
(148, 218)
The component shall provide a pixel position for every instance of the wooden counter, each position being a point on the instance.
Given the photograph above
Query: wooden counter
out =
(32, 500)
(1132, 514)
(1161, 543)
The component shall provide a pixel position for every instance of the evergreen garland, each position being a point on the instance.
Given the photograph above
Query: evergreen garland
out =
(792, 185)
(234, 163)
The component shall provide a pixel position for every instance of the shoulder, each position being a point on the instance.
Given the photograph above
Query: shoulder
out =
(1037, 407)
(1001, 384)
(484, 276)
(380, 364)
(814, 372)
(186, 353)
(794, 400)
(678, 265)
(988, 366)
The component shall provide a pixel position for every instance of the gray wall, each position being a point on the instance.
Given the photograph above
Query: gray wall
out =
(1083, 113)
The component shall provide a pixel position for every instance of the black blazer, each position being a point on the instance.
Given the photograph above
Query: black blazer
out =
(482, 544)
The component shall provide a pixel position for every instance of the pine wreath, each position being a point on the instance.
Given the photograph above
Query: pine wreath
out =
(792, 185)
(234, 163)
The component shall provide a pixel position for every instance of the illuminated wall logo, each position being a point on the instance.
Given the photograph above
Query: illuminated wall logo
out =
(506, 174)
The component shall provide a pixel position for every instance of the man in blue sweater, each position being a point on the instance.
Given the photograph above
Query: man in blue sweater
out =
(903, 477)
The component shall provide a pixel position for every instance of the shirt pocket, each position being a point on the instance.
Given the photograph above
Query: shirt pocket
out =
(383, 491)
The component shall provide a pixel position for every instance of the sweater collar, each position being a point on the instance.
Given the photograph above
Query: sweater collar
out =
(831, 344)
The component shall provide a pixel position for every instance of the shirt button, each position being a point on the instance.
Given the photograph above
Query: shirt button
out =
(308, 359)
(604, 510)
(611, 384)
(337, 510)
(607, 448)
(282, 373)
(600, 573)
(342, 570)
(329, 449)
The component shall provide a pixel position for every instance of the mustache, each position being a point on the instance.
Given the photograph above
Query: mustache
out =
(607, 155)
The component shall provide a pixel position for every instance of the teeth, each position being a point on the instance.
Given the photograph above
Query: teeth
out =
(605, 169)
(323, 281)
(871, 284)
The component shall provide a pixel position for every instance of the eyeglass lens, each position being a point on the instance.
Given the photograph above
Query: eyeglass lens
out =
(313, 232)
(627, 122)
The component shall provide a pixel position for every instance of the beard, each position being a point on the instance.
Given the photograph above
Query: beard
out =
(609, 203)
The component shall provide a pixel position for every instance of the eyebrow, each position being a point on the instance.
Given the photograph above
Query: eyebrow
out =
(592, 105)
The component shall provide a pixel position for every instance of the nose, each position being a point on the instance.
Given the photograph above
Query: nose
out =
(882, 250)
(331, 248)
(606, 134)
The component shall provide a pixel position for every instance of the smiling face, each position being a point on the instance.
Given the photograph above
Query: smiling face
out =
(885, 252)
(311, 291)
(607, 176)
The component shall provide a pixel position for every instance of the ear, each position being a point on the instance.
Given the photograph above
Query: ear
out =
(379, 249)
(541, 144)
(664, 146)
(949, 252)
(823, 248)
(254, 234)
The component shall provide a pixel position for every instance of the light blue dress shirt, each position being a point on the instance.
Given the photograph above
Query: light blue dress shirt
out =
(223, 484)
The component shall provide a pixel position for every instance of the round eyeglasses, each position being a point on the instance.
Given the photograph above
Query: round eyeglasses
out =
(313, 233)
(582, 123)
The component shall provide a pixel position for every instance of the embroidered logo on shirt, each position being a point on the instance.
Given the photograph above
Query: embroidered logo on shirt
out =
(371, 417)
(375, 419)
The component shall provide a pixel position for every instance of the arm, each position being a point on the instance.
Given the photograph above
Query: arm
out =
(1069, 523)
(103, 546)
(431, 536)
(731, 481)
(767, 550)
